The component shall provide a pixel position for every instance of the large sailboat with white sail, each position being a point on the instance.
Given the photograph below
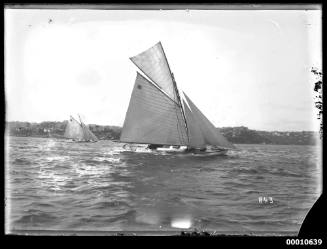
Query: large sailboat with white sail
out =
(161, 118)
(78, 131)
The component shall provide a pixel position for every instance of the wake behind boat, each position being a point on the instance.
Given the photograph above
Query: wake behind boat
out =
(159, 119)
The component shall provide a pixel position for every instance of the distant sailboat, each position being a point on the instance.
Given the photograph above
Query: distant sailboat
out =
(159, 117)
(78, 131)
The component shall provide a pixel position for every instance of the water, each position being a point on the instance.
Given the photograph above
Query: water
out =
(55, 185)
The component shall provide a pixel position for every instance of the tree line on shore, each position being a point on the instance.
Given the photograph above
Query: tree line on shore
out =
(238, 135)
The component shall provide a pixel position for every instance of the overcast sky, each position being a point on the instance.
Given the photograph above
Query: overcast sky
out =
(240, 67)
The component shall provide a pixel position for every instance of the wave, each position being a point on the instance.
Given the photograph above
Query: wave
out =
(40, 217)
(110, 204)
(57, 158)
(262, 171)
(96, 160)
(27, 147)
(248, 171)
(22, 161)
(284, 172)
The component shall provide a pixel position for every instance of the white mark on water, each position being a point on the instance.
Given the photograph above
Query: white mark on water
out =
(184, 223)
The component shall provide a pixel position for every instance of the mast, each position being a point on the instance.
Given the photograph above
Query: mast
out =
(181, 107)
(79, 117)
(80, 120)
(178, 97)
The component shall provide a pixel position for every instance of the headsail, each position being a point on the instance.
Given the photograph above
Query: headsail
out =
(196, 139)
(88, 135)
(153, 63)
(210, 133)
(152, 117)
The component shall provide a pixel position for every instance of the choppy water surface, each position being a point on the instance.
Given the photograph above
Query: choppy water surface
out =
(53, 184)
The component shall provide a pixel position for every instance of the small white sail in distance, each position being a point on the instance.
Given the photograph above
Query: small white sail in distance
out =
(88, 135)
(78, 131)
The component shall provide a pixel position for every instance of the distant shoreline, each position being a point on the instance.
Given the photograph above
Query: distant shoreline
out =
(56, 137)
(237, 135)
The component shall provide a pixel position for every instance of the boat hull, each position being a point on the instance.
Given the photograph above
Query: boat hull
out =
(172, 150)
(80, 141)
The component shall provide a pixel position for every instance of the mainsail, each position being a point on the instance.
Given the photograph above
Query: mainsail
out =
(78, 131)
(74, 130)
(157, 115)
(152, 117)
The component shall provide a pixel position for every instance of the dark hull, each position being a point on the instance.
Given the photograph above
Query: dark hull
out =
(81, 141)
(171, 150)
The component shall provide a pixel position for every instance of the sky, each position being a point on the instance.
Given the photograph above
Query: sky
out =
(240, 67)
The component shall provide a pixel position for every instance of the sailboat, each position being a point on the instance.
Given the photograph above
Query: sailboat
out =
(78, 131)
(161, 118)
